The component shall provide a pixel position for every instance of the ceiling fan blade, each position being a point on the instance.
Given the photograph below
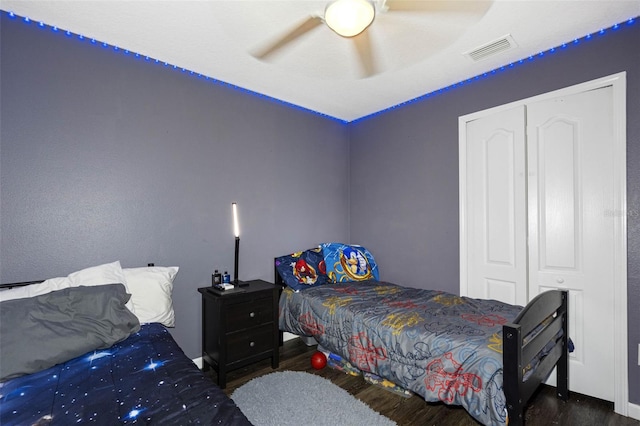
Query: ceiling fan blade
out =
(365, 53)
(301, 29)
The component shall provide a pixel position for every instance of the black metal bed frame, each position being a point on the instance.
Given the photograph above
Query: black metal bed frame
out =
(22, 284)
(519, 351)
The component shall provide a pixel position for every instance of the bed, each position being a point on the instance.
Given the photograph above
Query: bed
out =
(133, 371)
(485, 355)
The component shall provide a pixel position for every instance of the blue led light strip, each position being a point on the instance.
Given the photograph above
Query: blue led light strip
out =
(487, 74)
(503, 68)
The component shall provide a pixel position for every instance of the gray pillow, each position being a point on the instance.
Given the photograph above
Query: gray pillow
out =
(39, 332)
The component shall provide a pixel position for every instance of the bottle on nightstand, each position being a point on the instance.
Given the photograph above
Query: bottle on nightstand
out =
(216, 278)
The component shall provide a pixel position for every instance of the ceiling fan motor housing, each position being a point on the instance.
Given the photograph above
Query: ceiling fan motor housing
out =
(349, 18)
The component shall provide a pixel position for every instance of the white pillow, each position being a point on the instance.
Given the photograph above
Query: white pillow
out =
(109, 273)
(150, 290)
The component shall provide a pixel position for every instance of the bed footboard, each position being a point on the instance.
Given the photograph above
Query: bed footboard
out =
(547, 317)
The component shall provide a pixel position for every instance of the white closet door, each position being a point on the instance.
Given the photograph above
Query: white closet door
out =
(571, 234)
(496, 202)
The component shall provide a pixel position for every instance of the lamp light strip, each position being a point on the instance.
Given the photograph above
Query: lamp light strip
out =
(462, 83)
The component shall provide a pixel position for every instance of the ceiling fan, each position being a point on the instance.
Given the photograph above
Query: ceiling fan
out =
(353, 19)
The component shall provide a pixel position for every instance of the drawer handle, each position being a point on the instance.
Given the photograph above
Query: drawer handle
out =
(252, 344)
(252, 314)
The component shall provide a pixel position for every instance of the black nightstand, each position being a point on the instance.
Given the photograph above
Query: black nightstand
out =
(239, 328)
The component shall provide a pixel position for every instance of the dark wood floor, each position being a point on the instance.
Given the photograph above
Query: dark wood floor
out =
(544, 409)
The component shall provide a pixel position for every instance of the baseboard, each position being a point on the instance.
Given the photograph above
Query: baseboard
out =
(198, 362)
(634, 411)
(288, 336)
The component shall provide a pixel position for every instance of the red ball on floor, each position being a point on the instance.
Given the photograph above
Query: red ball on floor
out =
(318, 360)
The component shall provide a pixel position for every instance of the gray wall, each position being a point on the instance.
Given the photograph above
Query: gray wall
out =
(404, 164)
(105, 157)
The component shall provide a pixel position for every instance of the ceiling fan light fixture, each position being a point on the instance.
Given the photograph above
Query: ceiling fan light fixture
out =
(349, 18)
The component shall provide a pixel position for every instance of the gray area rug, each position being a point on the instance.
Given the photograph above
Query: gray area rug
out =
(297, 398)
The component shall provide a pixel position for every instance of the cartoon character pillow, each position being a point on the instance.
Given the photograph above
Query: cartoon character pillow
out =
(349, 263)
(303, 269)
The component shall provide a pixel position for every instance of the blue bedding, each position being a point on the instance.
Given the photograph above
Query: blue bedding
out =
(145, 379)
(438, 345)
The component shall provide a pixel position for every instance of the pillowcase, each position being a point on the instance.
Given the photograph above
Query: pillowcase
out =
(42, 331)
(349, 263)
(151, 289)
(108, 273)
(303, 269)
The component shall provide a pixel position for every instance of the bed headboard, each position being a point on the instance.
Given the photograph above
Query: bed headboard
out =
(277, 279)
(22, 284)
(25, 283)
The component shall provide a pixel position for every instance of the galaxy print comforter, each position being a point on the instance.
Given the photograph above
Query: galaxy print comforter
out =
(145, 379)
(438, 345)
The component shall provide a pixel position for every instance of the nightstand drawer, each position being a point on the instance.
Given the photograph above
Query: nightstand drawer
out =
(249, 314)
(243, 345)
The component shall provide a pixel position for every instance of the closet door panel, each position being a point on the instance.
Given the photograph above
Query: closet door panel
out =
(571, 236)
(496, 197)
(558, 194)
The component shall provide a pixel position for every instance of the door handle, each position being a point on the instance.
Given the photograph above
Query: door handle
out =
(560, 280)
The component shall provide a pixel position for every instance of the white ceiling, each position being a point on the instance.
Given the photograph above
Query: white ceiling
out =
(415, 52)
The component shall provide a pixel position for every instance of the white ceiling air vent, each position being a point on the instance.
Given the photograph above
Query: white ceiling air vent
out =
(489, 49)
